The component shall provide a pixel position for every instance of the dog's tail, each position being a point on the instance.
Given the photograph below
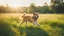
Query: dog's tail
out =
(23, 15)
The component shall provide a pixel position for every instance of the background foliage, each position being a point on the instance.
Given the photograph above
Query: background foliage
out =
(56, 6)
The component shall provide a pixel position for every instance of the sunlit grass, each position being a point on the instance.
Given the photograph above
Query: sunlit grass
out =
(51, 25)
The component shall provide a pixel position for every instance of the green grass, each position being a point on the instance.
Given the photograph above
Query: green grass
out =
(50, 25)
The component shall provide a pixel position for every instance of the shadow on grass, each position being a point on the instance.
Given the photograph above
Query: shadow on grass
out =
(58, 25)
(5, 28)
(32, 31)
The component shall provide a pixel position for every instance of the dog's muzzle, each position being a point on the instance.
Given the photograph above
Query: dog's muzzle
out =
(36, 16)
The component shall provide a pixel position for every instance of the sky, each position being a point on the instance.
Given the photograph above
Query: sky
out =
(23, 2)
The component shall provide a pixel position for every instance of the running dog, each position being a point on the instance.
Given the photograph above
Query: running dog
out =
(32, 19)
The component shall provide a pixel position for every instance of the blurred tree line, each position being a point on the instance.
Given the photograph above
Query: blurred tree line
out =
(6, 9)
(56, 6)
(40, 9)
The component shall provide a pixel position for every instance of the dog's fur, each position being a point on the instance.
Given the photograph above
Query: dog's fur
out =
(33, 19)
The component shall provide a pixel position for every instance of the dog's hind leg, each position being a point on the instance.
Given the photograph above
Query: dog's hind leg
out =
(21, 23)
(26, 24)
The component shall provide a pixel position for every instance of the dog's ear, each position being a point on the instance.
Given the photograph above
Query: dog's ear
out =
(37, 12)
(34, 13)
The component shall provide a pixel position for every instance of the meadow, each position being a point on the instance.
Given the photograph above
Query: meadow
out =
(50, 25)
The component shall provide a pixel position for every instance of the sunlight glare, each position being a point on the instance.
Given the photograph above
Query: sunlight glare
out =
(15, 3)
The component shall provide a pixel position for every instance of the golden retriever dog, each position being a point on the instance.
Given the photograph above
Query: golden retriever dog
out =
(32, 19)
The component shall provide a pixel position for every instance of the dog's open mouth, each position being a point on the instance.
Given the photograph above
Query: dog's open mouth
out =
(35, 17)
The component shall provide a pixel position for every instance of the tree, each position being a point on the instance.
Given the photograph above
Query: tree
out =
(57, 6)
(44, 9)
(32, 8)
(2, 9)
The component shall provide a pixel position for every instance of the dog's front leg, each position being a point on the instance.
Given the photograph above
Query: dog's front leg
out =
(36, 23)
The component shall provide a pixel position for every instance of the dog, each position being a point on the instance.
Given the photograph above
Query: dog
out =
(32, 19)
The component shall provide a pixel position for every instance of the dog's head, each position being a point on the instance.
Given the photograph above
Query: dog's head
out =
(35, 15)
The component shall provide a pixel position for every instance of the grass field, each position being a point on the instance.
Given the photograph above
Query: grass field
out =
(50, 25)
